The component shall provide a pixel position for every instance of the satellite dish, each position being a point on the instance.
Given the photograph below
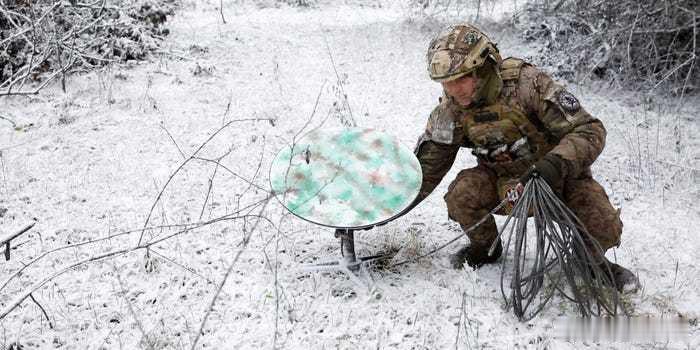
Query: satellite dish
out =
(350, 178)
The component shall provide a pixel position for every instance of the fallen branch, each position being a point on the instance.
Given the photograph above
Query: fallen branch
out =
(221, 11)
(25, 294)
(111, 254)
(139, 324)
(185, 162)
(42, 310)
(6, 240)
(210, 308)
(14, 125)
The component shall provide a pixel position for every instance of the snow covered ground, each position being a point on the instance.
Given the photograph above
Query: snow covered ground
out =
(89, 164)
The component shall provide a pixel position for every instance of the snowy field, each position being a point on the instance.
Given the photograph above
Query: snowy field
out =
(90, 165)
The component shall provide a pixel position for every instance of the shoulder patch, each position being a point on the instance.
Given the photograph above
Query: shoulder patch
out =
(568, 102)
(568, 105)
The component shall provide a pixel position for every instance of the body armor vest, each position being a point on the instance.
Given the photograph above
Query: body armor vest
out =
(502, 136)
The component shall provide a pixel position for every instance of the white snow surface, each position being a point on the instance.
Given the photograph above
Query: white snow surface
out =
(90, 163)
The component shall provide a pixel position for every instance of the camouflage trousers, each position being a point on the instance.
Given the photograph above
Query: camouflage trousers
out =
(474, 193)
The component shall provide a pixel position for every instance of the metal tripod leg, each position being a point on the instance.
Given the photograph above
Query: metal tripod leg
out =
(355, 268)
(347, 244)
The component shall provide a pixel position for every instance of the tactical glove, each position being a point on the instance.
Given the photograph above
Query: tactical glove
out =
(550, 168)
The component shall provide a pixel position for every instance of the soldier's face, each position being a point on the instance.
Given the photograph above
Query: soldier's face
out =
(462, 89)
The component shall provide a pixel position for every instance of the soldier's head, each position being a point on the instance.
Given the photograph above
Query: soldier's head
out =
(462, 89)
(464, 60)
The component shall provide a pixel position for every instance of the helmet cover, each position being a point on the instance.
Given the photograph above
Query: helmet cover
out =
(458, 51)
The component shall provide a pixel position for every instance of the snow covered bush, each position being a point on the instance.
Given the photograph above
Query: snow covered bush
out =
(40, 40)
(447, 10)
(640, 44)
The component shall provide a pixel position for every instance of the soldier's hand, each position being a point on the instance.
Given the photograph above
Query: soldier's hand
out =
(519, 188)
(550, 168)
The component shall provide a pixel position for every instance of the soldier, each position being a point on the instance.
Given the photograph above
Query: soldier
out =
(518, 122)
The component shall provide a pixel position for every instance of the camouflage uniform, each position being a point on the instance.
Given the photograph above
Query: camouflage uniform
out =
(527, 116)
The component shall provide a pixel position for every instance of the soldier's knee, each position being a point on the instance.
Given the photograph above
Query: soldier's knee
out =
(604, 223)
(591, 204)
(614, 224)
(471, 189)
(459, 196)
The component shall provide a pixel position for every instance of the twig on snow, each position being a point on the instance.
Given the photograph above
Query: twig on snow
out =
(6, 240)
(346, 103)
(182, 266)
(210, 308)
(231, 172)
(27, 291)
(18, 300)
(209, 188)
(459, 322)
(139, 324)
(172, 139)
(221, 11)
(14, 125)
(42, 310)
(182, 165)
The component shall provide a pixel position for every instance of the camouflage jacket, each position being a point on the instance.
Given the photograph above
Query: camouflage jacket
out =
(532, 116)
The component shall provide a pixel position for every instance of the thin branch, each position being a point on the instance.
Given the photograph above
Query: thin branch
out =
(221, 11)
(26, 292)
(14, 125)
(339, 81)
(12, 236)
(210, 308)
(183, 164)
(257, 170)
(9, 91)
(690, 60)
(110, 254)
(223, 218)
(42, 310)
(231, 172)
(209, 188)
(313, 113)
(139, 324)
(679, 166)
(51, 9)
(629, 39)
(183, 267)
(162, 126)
(185, 228)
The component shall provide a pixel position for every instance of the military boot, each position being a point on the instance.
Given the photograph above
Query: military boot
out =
(625, 280)
(475, 256)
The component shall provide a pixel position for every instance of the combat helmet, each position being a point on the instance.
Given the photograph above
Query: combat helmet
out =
(458, 51)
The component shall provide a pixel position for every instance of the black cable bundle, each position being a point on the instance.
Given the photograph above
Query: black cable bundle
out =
(560, 241)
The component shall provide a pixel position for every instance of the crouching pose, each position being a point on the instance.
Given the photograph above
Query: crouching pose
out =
(517, 121)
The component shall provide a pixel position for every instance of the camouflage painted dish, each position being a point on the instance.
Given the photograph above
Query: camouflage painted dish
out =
(349, 178)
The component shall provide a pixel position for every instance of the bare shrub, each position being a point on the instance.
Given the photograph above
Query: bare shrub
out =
(279, 3)
(449, 11)
(44, 39)
(640, 44)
